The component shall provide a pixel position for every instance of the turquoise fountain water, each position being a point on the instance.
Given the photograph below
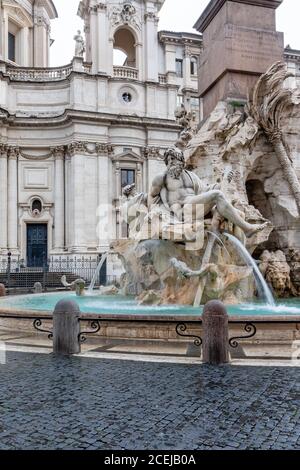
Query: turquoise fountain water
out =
(97, 273)
(121, 305)
(262, 287)
(94, 303)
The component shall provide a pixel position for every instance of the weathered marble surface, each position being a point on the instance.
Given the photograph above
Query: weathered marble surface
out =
(252, 156)
(233, 142)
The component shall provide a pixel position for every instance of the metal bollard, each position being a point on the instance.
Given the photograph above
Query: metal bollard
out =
(66, 328)
(215, 333)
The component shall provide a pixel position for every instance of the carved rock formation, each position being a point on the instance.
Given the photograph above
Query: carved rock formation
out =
(276, 271)
(154, 277)
(269, 101)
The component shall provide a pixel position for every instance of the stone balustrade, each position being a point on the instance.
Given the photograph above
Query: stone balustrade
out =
(28, 74)
(126, 72)
(162, 79)
(38, 74)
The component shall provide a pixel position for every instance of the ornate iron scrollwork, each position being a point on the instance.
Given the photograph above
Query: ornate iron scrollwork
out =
(181, 328)
(95, 325)
(249, 328)
(37, 324)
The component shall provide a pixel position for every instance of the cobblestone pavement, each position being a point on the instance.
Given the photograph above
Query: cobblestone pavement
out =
(84, 403)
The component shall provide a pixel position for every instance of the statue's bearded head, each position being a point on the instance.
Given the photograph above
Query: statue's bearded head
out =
(175, 162)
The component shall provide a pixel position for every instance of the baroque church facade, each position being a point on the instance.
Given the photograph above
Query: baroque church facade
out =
(72, 137)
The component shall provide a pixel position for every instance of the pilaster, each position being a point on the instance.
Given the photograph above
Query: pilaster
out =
(3, 198)
(13, 155)
(59, 199)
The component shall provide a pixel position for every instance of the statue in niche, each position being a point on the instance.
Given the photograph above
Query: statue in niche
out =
(79, 44)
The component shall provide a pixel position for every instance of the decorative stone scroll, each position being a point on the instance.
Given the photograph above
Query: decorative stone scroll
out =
(126, 15)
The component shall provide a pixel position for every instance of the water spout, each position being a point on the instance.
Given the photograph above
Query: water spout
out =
(220, 241)
(97, 273)
(262, 286)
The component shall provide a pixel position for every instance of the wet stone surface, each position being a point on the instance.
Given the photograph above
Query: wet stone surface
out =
(84, 403)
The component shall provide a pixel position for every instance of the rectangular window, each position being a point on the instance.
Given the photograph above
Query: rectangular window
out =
(195, 104)
(194, 66)
(127, 177)
(11, 47)
(179, 100)
(179, 67)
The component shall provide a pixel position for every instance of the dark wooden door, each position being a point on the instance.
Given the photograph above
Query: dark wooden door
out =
(37, 245)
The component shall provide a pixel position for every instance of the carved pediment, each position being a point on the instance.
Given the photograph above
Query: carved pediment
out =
(17, 13)
(128, 156)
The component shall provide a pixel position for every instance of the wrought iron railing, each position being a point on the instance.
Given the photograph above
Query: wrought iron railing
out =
(14, 273)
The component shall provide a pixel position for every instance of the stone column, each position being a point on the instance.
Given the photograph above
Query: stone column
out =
(2, 32)
(77, 152)
(187, 68)
(13, 199)
(40, 41)
(155, 163)
(59, 200)
(104, 211)
(87, 32)
(3, 198)
(68, 202)
(139, 61)
(118, 180)
(24, 49)
(151, 21)
(172, 101)
(139, 179)
(102, 38)
(94, 40)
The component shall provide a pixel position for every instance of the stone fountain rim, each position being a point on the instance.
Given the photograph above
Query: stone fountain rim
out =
(28, 314)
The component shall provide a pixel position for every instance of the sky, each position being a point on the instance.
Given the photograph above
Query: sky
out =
(173, 17)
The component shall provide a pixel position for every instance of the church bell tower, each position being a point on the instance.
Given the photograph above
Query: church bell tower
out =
(122, 28)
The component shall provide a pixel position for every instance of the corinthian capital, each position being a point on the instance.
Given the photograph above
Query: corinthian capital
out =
(152, 153)
(151, 16)
(58, 152)
(77, 147)
(13, 152)
(103, 149)
(3, 150)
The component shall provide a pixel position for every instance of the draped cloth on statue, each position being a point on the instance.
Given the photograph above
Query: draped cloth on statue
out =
(156, 220)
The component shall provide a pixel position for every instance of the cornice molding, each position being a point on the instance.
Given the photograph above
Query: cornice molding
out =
(89, 116)
(215, 6)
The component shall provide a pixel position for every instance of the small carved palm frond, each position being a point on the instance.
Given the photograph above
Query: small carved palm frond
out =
(269, 98)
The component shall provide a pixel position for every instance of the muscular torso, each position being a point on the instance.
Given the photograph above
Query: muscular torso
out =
(179, 189)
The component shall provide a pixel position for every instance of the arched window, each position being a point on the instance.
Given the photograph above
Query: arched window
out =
(124, 48)
(194, 66)
(36, 206)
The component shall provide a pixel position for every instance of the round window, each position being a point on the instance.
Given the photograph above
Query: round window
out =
(127, 97)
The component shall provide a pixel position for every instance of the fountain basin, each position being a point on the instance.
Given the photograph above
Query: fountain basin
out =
(117, 305)
(122, 319)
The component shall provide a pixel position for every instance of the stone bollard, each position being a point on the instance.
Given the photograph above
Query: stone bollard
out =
(215, 333)
(66, 328)
(37, 288)
(2, 290)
